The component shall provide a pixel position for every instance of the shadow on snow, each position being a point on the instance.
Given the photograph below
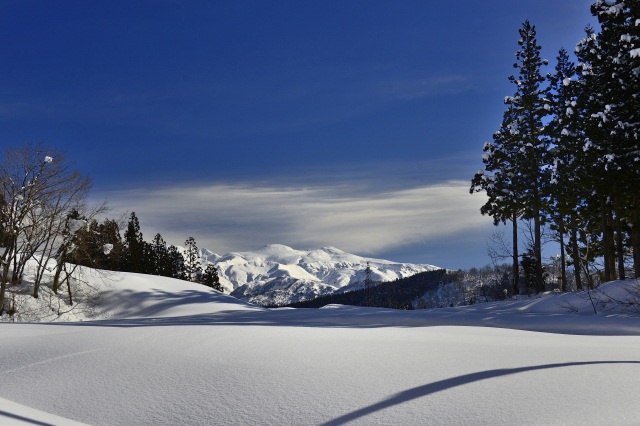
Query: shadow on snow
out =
(428, 389)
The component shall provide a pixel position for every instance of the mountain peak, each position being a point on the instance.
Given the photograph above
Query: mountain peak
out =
(277, 248)
(279, 274)
(331, 249)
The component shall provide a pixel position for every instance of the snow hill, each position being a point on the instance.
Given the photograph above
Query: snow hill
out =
(157, 351)
(278, 274)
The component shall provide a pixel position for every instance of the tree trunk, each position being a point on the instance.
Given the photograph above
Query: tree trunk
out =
(68, 280)
(537, 250)
(635, 235)
(619, 247)
(6, 261)
(516, 269)
(56, 278)
(606, 248)
(576, 253)
(563, 263)
(42, 266)
(3, 284)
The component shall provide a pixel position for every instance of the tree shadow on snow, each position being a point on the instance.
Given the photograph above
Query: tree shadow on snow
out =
(428, 389)
(236, 313)
(21, 419)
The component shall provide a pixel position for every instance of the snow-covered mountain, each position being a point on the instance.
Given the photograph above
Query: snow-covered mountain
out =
(278, 274)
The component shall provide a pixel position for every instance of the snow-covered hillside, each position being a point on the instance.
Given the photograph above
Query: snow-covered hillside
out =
(178, 353)
(278, 274)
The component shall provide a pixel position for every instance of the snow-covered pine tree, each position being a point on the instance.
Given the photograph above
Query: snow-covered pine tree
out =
(567, 184)
(595, 213)
(610, 67)
(499, 181)
(529, 107)
(619, 118)
(518, 156)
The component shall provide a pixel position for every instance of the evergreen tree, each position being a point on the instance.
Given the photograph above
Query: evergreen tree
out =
(162, 263)
(135, 246)
(610, 68)
(567, 185)
(613, 63)
(192, 262)
(211, 279)
(529, 107)
(176, 260)
(517, 158)
(499, 180)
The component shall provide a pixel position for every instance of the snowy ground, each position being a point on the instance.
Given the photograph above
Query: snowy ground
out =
(176, 353)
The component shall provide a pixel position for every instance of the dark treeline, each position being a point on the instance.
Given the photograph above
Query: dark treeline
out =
(566, 158)
(438, 289)
(100, 245)
(398, 294)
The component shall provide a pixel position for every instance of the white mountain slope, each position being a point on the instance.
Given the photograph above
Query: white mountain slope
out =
(278, 274)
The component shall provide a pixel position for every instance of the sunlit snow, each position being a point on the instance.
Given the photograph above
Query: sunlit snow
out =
(157, 351)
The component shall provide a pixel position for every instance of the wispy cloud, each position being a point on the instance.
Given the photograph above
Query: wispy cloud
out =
(243, 217)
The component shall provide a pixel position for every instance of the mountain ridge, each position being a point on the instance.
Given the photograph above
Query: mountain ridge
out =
(277, 274)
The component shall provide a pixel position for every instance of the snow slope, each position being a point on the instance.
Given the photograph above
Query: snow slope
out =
(278, 274)
(175, 353)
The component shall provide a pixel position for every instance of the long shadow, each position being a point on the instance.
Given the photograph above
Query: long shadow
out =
(342, 318)
(148, 307)
(367, 318)
(23, 419)
(421, 391)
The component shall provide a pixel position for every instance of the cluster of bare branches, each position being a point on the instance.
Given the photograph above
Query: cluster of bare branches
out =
(43, 203)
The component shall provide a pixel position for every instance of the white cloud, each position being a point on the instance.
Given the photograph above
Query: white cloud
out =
(243, 217)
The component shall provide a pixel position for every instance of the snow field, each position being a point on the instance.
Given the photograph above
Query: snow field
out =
(192, 356)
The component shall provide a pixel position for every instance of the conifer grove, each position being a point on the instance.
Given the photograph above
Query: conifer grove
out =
(566, 157)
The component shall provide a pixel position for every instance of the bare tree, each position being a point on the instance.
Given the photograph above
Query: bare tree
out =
(38, 188)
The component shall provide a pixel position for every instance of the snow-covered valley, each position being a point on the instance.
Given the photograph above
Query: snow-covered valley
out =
(159, 351)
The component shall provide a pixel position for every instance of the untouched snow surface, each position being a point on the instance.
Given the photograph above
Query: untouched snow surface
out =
(175, 353)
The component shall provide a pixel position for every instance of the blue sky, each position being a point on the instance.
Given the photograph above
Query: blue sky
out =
(355, 124)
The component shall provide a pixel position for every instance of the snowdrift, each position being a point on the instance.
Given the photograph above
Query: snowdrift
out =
(157, 351)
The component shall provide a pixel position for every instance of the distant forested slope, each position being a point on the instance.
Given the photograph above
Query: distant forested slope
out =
(398, 294)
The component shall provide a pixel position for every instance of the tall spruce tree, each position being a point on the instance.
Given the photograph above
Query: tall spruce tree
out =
(567, 184)
(162, 264)
(529, 107)
(499, 181)
(192, 261)
(518, 156)
(610, 68)
(211, 279)
(617, 116)
(594, 213)
(176, 259)
(135, 245)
